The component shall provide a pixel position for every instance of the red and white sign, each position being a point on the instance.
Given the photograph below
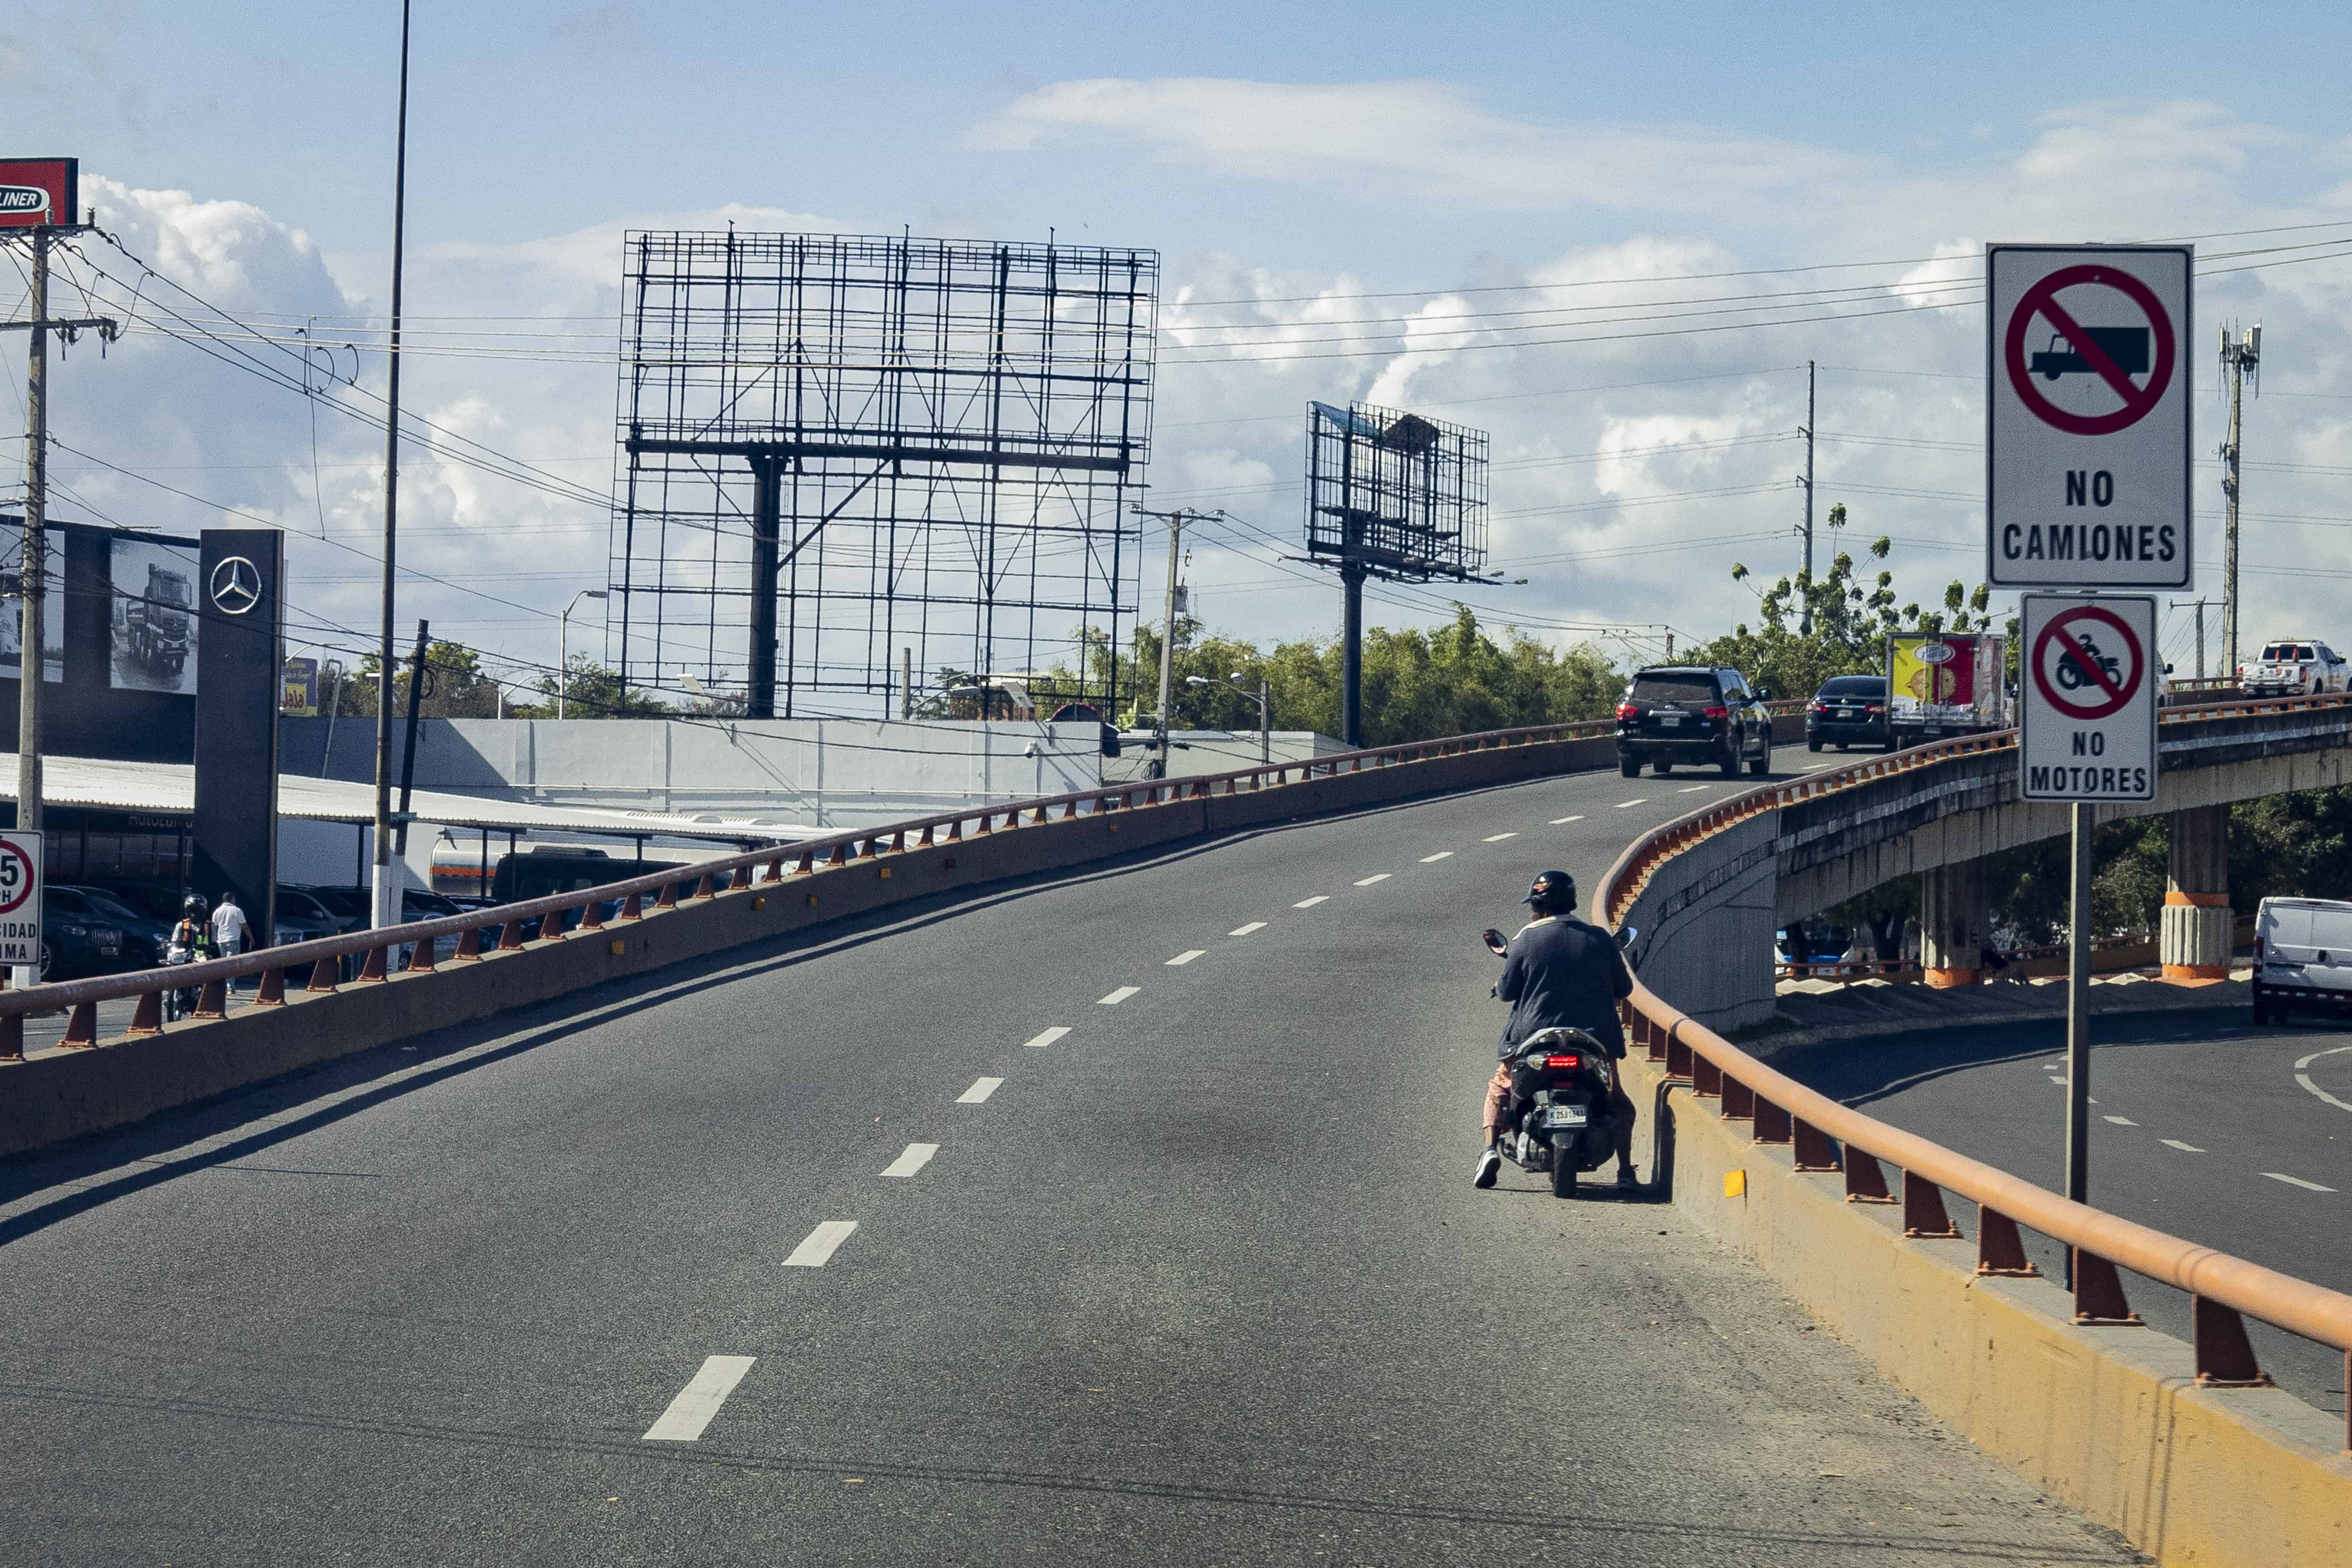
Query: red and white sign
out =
(34, 192)
(2087, 411)
(2087, 723)
(20, 898)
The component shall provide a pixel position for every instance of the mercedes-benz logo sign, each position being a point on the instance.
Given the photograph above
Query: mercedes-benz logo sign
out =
(236, 585)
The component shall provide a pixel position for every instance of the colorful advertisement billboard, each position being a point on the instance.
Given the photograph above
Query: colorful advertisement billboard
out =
(34, 192)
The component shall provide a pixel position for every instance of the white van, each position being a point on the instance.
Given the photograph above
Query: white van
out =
(2302, 955)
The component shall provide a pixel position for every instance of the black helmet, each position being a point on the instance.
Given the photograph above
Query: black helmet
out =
(1552, 893)
(193, 906)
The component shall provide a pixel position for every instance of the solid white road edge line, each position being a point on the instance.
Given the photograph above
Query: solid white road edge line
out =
(1187, 956)
(982, 1088)
(1117, 996)
(1244, 931)
(1310, 903)
(1441, 854)
(1564, 821)
(2297, 1182)
(1047, 1036)
(917, 1156)
(2176, 1144)
(1367, 881)
(1637, 800)
(699, 1400)
(820, 1244)
(1496, 837)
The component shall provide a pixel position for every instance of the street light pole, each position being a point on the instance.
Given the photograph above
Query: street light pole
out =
(386, 892)
(563, 644)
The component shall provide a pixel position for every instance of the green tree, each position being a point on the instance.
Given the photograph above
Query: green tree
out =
(456, 686)
(593, 692)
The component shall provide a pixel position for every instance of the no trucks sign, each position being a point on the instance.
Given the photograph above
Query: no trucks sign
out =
(2086, 416)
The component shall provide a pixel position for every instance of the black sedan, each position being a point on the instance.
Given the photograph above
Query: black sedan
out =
(1849, 710)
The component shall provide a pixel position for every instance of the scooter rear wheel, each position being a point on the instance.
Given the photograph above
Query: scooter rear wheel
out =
(1563, 1169)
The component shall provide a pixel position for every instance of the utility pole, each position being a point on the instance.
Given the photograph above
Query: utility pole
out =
(2237, 359)
(2198, 604)
(386, 891)
(906, 683)
(1805, 615)
(31, 572)
(1175, 520)
(408, 750)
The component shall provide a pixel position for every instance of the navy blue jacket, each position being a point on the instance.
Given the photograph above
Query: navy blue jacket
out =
(1559, 973)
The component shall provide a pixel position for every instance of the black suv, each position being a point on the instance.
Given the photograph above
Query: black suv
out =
(1849, 710)
(1693, 713)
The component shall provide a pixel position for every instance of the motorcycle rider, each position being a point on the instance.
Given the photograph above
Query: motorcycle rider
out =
(191, 941)
(1559, 973)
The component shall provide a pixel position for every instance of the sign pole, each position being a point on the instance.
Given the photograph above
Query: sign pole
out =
(2078, 1013)
(31, 567)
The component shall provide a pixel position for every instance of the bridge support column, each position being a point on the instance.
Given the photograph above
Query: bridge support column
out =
(1955, 922)
(2195, 937)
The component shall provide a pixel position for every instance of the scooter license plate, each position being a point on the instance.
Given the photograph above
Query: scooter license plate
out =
(1564, 1116)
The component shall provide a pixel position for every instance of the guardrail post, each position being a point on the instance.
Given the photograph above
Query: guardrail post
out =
(147, 1018)
(420, 956)
(668, 899)
(806, 867)
(706, 887)
(635, 910)
(1678, 1057)
(2099, 1293)
(372, 972)
(1923, 1209)
(2225, 1357)
(925, 841)
(1771, 1122)
(592, 915)
(469, 946)
(81, 1029)
(271, 992)
(212, 1001)
(2000, 1249)
(324, 974)
(12, 1038)
(511, 934)
(1864, 1182)
(1706, 1079)
(840, 856)
(1815, 1152)
(1738, 1100)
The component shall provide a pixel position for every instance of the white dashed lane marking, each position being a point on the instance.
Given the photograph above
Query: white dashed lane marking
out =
(1244, 931)
(1564, 821)
(1117, 996)
(1497, 837)
(2297, 1182)
(982, 1088)
(1367, 881)
(917, 1156)
(2176, 1144)
(699, 1400)
(1048, 1036)
(2121, 1120)
(820, 1244)
(1187, 956)
(1690, 789)
(1310, 903)
(1441, 854)
(1637, 800)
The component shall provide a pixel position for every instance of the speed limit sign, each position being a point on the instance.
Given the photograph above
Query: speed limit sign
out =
(20, 898)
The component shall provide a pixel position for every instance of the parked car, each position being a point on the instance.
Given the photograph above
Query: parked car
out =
(2295, 666)
(145, 936)
(1693, 713)
(349, 908)
(2303, 956)
(81, 939)
(1849, 710)
(302, 918)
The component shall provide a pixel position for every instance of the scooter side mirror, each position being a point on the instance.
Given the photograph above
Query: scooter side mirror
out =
(1625, 935)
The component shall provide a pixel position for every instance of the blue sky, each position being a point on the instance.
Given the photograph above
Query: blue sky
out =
(1294, 158)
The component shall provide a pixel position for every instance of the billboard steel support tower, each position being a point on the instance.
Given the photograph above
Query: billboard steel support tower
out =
(883, 443)
(1393, 496)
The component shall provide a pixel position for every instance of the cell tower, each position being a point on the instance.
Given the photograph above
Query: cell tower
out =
(1393, 496)
(844, 454)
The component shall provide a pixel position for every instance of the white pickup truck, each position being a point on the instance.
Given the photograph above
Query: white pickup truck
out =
(2294, 666)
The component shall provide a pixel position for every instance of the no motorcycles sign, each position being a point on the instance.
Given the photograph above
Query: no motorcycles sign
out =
(2087, 723)
(2086, 416)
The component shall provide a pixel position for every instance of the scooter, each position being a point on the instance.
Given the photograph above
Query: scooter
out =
(1563, 1116)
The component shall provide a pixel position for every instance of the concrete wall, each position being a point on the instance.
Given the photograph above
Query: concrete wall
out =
(1706, 920)
(62, 1095)
(834, 774)
(2108, 1420)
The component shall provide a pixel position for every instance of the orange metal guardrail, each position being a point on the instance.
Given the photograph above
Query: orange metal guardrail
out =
(1825, 1136)
(318, 966)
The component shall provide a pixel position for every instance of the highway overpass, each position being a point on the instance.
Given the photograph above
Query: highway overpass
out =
(1090, 1189)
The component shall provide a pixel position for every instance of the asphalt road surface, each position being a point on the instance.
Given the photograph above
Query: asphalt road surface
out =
(2202, 1125)
(1122, 1220)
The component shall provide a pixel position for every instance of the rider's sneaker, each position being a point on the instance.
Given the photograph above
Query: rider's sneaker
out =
(1490, 1165)
(1626, 1177)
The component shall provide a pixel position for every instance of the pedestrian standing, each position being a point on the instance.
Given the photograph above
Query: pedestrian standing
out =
(231, 930)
